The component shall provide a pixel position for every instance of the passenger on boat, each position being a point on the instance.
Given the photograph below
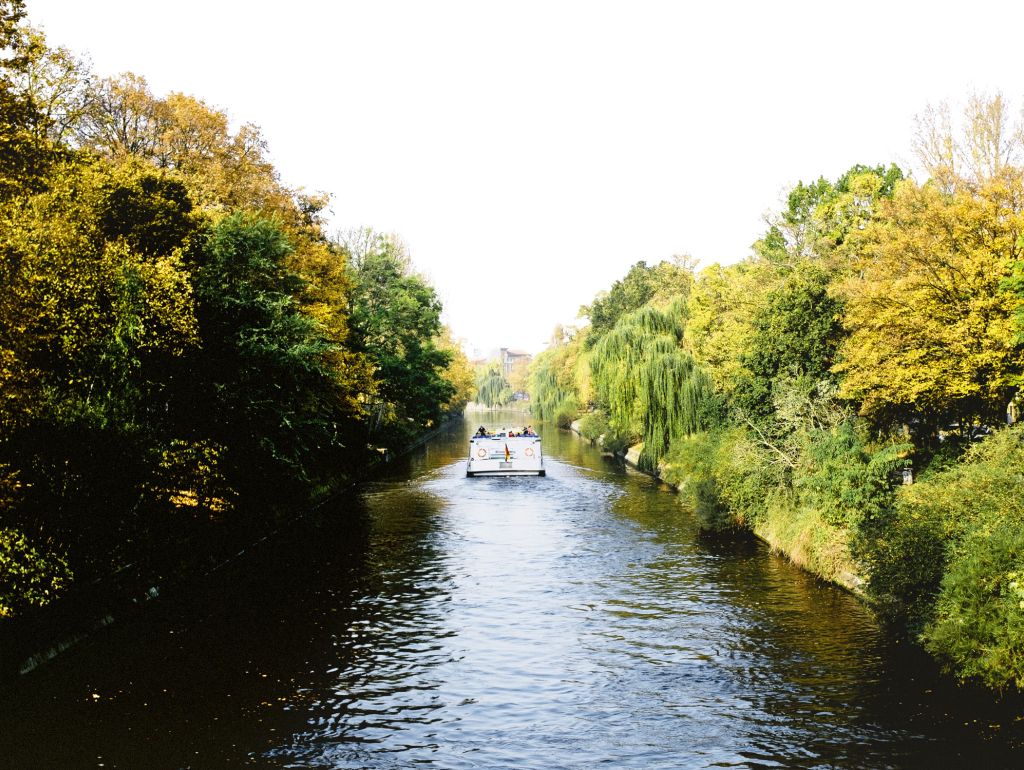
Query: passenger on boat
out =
(481, 432)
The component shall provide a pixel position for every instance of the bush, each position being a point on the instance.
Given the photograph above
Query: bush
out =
(614, 443)
(566, 412)
(905, 557)
(722, 475)
(28, 578)
(840, 476)
(978, 630)
(593, 426)
(948, 560)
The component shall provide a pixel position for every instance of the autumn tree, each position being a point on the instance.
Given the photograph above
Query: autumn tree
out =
(58, 83)
(720, 311)
(929, 320)
(24, 155)
(987, 143)
(458, 373)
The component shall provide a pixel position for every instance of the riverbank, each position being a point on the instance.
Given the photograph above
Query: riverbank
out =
(938, 560)
(574, 621)
(28, 641)
(802, 536)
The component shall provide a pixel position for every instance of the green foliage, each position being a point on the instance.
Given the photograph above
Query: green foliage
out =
(944, 520)
(797, 329)
(266, 364)
(978, 630)
(642, 284)
(650, 387)
(593, 425)
(840, 476)
(1014, 285)
(566, 413)
(28, 577)
(554, 386)
(492, 388)
(395, 321)
(700, 465)
(819, 216)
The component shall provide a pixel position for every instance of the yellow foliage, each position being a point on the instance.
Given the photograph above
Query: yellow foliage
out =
(930, 326)
(459, 373)
(720, 313)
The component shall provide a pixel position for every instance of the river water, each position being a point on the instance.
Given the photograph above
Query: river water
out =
(572, 621)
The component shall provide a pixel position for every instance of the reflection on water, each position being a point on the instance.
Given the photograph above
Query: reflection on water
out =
(572, 621)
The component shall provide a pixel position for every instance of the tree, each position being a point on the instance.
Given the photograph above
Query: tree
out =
(558, 379)
(930, 323)
(395, 319)
(491, 386)
(642, 284)
(819, 216)
(24, 156)
(223, 171)
(798, 330)
(647, 384)
(57, 82)
(458, 373)
(986, 146)
(265, 385)
(97, 292)
(721, 311)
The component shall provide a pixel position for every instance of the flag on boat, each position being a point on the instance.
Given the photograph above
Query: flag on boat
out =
(508, 455)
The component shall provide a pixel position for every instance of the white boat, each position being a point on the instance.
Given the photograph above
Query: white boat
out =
(505, 453)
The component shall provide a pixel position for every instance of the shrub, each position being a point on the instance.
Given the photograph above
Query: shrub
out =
(842, 478)
(566, 412)
(593, 426)
(905, 558)
(28, 578)
(938, 564)
(978, 631)
(723, 475)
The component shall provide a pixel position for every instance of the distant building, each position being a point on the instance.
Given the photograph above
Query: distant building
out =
(510, 358)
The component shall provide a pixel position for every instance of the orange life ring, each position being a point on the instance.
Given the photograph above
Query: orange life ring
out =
(481, 452)
(528, 451)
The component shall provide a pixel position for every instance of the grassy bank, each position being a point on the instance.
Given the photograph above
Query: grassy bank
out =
(940, 560)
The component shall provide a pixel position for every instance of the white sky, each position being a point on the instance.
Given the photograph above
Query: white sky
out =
(530, 152)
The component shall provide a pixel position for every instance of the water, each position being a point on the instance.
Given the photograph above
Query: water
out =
(572, 621)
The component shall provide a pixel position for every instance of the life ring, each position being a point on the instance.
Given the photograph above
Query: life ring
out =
(481, 453)
(528, 451)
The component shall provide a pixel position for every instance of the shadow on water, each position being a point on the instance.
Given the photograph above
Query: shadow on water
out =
(572, 621)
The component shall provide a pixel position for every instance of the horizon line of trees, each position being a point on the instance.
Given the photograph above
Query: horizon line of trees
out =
(874, 336)
(182, 346)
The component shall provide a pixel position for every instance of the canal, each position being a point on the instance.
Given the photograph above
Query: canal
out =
(572, 621)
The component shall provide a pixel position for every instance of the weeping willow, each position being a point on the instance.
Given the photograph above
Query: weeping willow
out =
(554, 390)
(493, 389)
(650, 387)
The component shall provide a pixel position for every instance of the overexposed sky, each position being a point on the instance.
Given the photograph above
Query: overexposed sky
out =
(530, 152)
